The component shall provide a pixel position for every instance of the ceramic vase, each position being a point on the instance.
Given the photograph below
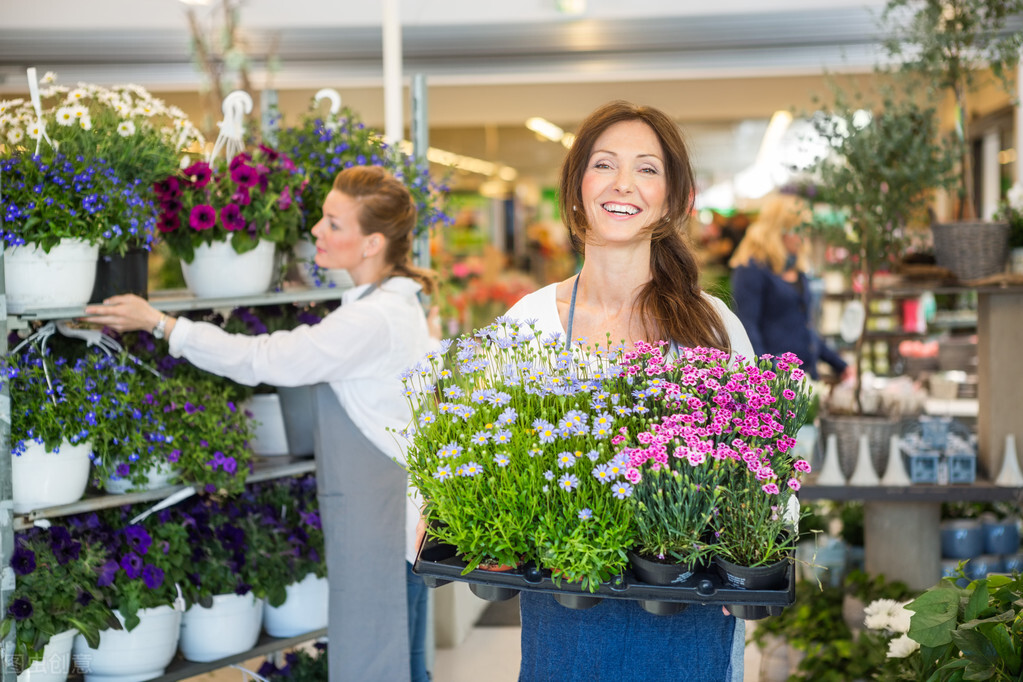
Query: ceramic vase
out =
(895, 474)
(229, 627)
(831, 471)
(141, 654)
(864, 473)
(269, 437)
(62, 278)
(217, 271)
(46, 479)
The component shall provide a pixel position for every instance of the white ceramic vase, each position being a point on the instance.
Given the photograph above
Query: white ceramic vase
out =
(56, 661)
(36, 280)
(46, 479)
(218, 271)
(123, 656)
(304, 610)
(864, 473)
(229, 627)
(269, 437)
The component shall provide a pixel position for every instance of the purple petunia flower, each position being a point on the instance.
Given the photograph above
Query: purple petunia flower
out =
(152, 576)
(201, 173)
(284, 203)
(138, 538)
(231, 218)
(203, 217)
(23, 561)
(20, 609)
(244, 175)
(107, 573)
(132, 565)
(167, 189)
(84, 598)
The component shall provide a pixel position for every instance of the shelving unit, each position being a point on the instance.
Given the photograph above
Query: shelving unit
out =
(267, 469)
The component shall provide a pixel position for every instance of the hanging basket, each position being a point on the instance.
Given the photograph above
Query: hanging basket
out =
(971, 250)
(217, 270)
(64, 277)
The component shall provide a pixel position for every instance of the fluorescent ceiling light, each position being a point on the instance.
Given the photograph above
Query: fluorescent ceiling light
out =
(196, 2)
(464, 163)
(542, 126)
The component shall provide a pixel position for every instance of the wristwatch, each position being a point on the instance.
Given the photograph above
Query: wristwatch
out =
(161, 326)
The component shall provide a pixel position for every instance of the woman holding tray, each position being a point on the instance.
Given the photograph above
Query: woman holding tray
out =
(627, 191)
(360, 350)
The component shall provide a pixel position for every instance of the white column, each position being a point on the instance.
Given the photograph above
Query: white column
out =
(393, 120)
(1017, 176)
(990, 175)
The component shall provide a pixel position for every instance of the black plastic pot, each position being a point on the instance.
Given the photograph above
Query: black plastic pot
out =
(654, 572)
(116, 274)
(492, 592)
(579, 602)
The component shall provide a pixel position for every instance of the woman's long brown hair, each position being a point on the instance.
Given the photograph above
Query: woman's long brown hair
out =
(671, 305)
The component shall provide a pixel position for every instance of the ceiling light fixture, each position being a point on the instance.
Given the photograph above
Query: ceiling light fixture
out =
(464, 163)
(542, 126)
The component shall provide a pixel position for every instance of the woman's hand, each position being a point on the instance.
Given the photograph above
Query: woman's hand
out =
(126, 313)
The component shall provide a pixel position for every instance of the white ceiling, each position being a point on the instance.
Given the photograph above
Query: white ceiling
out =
(488, 65)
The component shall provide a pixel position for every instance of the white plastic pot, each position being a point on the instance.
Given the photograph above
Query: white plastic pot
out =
(269, 437)
(157, 476)
(142, 654)
(304, 610)
(36, 280)
(56, 661)
(229, 627)
(218, 271)
(46, 479)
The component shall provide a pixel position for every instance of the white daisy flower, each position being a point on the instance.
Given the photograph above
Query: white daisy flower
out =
(35, 130)
(15, 135)
(77, 95)
(65, 116)
(48, 77)
(901, 647)
(126, 129)
(85, 122)
(9, 104)
(78, 110)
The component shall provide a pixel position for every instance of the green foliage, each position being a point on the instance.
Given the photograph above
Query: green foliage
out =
(674, 509)
(300, 665)
(55, 591)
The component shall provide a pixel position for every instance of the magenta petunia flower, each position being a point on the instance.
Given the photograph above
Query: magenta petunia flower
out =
(200, 172)
(167, 189)
(284, 203)
(242, 197)
(231, 218)
(238, 160)
(203, 217)
(244, 175)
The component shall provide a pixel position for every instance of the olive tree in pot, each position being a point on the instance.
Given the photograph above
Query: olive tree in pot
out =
(956, 46)
(881, 168)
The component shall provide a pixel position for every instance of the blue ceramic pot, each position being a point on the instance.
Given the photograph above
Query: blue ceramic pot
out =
(961, 539)
(978, 567)
(1000, 537)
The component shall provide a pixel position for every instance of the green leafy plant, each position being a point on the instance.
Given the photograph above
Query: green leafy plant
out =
(973, 632)
(300, 665)
(55, 591)
(952, 44)
(880, 174)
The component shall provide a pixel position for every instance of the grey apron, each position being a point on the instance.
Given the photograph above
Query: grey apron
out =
(362, 505)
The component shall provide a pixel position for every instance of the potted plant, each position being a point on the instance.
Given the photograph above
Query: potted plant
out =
(952, 44)
(878, 176)
(121, 139)
(55, 596)
(220, 209)
(300, 665)
(323, 145)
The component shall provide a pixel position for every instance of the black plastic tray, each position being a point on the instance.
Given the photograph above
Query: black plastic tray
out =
(438, 564)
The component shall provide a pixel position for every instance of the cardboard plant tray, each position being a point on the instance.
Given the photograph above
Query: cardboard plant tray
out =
(438, 564)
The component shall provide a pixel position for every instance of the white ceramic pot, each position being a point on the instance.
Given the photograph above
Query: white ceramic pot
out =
(304, 252)
(1016, 260)
(47, 479)
(142, 654)
(157, 476)
(64, 277)
(269, 437)
(217, 271)
(304, 610)
(56, 661)
(229, 627)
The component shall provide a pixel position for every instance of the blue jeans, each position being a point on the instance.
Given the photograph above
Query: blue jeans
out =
(417, 615)
(617, 641)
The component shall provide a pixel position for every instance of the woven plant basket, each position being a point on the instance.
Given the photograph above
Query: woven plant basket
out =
(848, 428)
(971, 250)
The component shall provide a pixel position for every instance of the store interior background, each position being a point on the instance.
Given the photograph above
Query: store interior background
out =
(721, 69)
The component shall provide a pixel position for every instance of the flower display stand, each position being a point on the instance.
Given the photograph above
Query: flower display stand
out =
(229, 627)
(304, 610)
(142, 654)
(439, 565)
(46, 479)
(56, 661)
(64, 277)
(218, 271)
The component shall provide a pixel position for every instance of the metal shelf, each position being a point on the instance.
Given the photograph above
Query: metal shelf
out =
(981, 491)
(180, 300)
(265, 470)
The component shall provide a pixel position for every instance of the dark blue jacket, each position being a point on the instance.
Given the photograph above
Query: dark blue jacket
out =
(776, 315)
